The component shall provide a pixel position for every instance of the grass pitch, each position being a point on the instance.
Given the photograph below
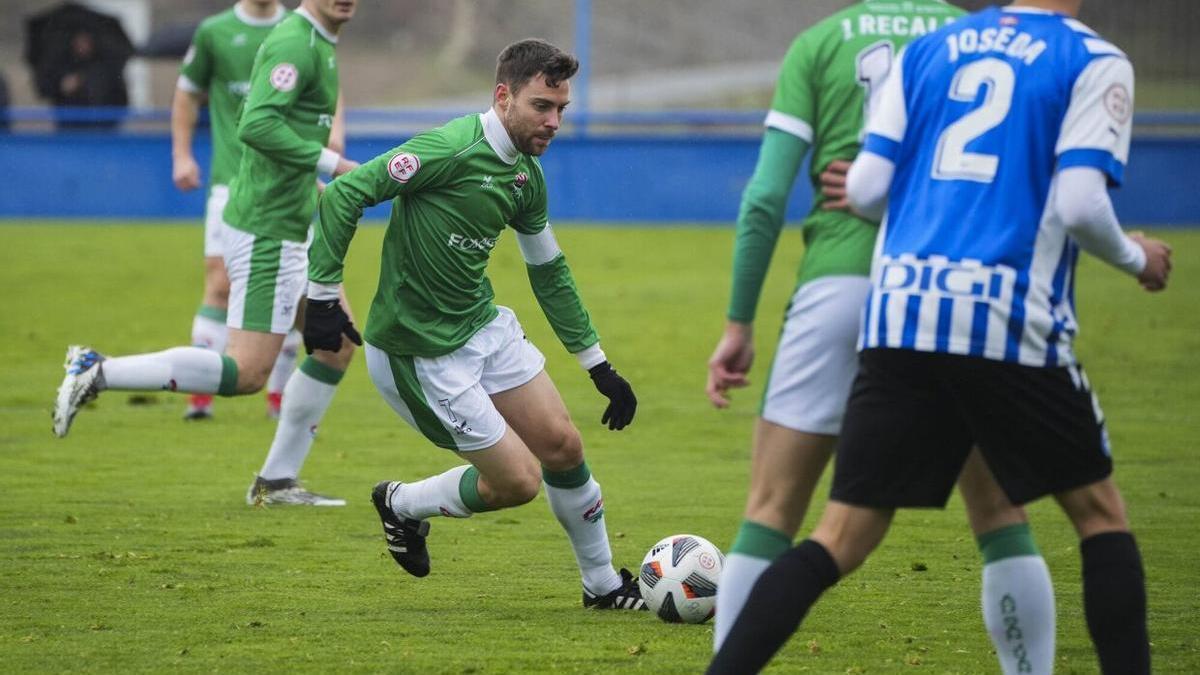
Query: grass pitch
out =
(127, 546)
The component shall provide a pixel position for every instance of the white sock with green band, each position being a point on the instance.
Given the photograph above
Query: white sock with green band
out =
(439, 495)
(285, 363)
(576, 501)
(750, 555)
(305, 400)
(186, 369)
(1018, 601)
(208, 328)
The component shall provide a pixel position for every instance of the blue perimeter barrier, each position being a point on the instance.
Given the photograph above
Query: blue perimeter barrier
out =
(657, 176)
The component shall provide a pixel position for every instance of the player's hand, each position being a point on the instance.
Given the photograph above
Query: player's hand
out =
(185, 173)
(622, 404)
(1158, 262)
(344, 166)
(730, 362)
(324, 324)
(833, 186)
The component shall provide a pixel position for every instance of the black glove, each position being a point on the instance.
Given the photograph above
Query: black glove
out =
(324, 323)
(622, 404)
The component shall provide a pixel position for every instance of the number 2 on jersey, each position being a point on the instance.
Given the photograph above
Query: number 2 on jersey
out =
(952, 161)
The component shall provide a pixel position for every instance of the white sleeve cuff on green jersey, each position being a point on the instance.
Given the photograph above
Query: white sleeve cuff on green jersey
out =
(540, 248)
(318, 291)
(187, 85)
(591, 357)
(328, 161)
(789, 123)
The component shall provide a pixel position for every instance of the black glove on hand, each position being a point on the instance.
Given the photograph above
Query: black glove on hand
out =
(622, 404)
(324, 323)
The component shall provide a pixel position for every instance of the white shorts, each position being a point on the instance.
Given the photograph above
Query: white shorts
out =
(817, 357)
(448, 398)
(267, 279)
(214, 221)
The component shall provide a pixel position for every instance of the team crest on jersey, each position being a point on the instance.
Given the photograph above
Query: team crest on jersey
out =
(403, 166)
(1116, 102)
(284, 77)
(239, 40)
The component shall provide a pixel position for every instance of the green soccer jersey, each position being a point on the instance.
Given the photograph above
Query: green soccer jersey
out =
(218, 62)
(821, 95)
(454, 190)
(284, 125)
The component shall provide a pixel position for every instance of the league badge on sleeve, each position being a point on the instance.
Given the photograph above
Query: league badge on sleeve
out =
(403, 166)
(284, 77)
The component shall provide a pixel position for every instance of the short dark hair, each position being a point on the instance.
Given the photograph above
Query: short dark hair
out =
(524, 60)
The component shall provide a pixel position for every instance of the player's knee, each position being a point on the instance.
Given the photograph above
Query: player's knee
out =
(562, 449)
(518, 489)
(252, 377)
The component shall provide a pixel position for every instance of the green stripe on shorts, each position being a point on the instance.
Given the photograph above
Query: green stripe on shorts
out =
(260, 287)
(404, 373)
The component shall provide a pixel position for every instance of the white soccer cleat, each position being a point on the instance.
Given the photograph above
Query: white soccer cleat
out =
(83, 382)
(286, 491)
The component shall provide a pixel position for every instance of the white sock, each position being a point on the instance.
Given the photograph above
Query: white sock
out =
(188, 369)
(738, 577)
(1018, 610)
(435, 496)
(209, 333)
(305, 400)
(580, 511)
(285, 363)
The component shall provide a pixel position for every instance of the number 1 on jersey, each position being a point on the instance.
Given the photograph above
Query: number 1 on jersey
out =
(952, 161)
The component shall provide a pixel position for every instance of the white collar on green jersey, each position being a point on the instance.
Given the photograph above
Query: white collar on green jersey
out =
(316, 24)
(497, 137)
(245, 18)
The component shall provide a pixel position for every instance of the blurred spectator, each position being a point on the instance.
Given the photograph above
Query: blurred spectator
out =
(78, 57)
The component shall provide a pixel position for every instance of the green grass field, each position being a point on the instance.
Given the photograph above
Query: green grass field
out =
(127, 546)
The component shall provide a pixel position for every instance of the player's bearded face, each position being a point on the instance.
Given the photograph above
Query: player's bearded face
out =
(533, 115)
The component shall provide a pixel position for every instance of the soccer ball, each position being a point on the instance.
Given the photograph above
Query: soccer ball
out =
(679, 578)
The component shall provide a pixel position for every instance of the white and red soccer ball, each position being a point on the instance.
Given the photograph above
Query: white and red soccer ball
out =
(679, 578)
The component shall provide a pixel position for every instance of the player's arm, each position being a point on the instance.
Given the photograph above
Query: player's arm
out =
(870, 176)
(761, 215)
(415, 165)
(281, 72)
(554, 287)
(760, 221)
(195, 74)
(337, 133)
(1092, 149)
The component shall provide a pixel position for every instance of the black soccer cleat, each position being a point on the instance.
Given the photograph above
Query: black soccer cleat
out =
(405, 536)
(627, 596)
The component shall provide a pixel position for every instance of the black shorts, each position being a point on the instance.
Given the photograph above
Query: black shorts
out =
(913, 416)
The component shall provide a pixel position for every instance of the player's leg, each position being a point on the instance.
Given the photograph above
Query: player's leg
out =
(285, 363)
(525, 396)
(787, 589)
(1114, 583)
(902, 445)
(537, 414)
(801, 415)
(1059, 446)
(208, 326)
(462, 418)
(306, 398)
(784, 471)
(1017, 594)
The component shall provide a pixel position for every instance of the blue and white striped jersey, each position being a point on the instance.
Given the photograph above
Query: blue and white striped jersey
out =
(977, 118)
